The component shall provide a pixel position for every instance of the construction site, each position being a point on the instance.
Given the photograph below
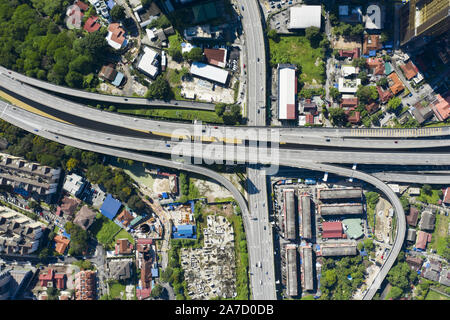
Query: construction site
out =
(210, 271)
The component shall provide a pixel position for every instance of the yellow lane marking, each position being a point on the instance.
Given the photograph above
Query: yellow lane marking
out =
(29, 108)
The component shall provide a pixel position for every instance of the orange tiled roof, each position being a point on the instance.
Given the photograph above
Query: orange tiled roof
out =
(442, 108)
(410, 70)
(61, 243)
(397, 85)
(117, 33)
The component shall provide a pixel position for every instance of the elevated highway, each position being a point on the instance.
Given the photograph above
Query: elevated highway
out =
(401, 221)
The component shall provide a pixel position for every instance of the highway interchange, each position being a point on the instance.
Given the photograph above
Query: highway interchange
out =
(295, 148)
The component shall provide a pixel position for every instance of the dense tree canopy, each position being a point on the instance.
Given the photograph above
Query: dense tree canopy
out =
(159, 89)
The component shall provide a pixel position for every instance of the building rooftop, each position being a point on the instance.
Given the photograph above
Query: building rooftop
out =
(441, 107)
(91, 24)
(409, 70)
(209, 72)
(217, 57)
(412, 217)
(396, 84)
(61, 243)
(422, 239)
(85, 217)
(110, 207)
(332, 230)
(148, 62)
(302, 17)
(427, 221)
(287, 90)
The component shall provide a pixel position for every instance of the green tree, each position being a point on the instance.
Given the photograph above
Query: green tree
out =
(357, 30)
(364, 77)
(314, 36)
(117, 13)
(159, 89)
(393, 104)
(366, 94)
(359, 62)
(71, 164)
(195, 54)
(330, 278)
(337, 116)
(220, 108)
(156, 291)
(426, 189)
(382, 82)
(273, 34)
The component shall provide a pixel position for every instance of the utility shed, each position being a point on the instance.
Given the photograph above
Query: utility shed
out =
(411, 235)
(289, 214)
(291, 271)
(305, 212)
(338, 250)
(340, 209)
(340, 193)
(307, 263)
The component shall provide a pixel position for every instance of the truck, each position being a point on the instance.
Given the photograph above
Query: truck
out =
(310, 181)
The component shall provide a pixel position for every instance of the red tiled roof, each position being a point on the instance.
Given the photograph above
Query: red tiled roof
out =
(83, 6)
(332, 229)
(355, 117)
(349, 103)
(215, 56)
(123, 246)
(117, 33)
(290, 112)
(375, 43)
(442, 107)
(91, 24)
(412, 217)
(125, 217)
(384, 95)
(61, 243)
(422, 239)
(376, 65)
(45, 278)
(447, 196)
(144, 241)
(372, 107)
(410, 70)
(349, 53)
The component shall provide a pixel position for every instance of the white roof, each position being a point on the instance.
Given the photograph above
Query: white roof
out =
(305, 16)
(348, 86)
(373, 17)
(150, 34)
(147, 60)
(348, 70)
(73, 183)
(286, 91)
(209, 72)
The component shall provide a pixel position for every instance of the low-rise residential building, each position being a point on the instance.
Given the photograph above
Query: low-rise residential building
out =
(85, 217)
(61, 244)
(421, 113)
(441, 107)
(123, 247)
(18, 233)
(28, 176)
(349, 103)
(74, 184)
(413, 216)
(395, 84)
(375, 66)
(414, 262)
(109, 73)
(216, 57)
(422, 239)
(352, 54)
(92, 24)
(67, 207)
(149, 63)
(371, 44)
(411, 235)
(119, 269)
(116, 36)
(52, 279)
(202, 32)
(409, 70)
(384, 95)
(427, 221)
(85, 285)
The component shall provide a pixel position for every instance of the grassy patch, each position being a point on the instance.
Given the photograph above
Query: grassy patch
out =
(123, 234)
(174, 77)
(438, 240)
(297, 50)
(433, 295)
(104, 230)
(115, 288)
(174, 114)
(431, 199)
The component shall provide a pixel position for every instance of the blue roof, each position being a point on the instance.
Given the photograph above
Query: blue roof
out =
(372, 53)
(155, 272)
(184, 231)
(118, 80)
(110, 207)
(65, 234)
(165, 196)
(110, 4)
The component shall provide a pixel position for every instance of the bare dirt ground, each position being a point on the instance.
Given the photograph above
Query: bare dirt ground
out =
(161, 185)
(211, 190)
(204, 91)
(383, 221)
(345, 44)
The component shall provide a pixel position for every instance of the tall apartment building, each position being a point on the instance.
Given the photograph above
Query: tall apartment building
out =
(85, 285)
(29, 176)
(424, 18)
